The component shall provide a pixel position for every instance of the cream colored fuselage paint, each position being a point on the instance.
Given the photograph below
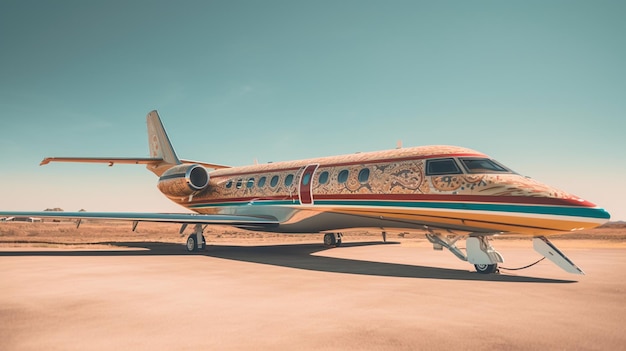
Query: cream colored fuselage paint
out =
(390, 189)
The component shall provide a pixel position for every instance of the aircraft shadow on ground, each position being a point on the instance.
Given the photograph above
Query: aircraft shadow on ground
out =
(298, 256)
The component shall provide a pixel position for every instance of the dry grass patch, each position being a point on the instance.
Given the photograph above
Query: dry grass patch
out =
(102, 233)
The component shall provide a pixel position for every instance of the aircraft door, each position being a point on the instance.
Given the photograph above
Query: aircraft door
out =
(305, 185)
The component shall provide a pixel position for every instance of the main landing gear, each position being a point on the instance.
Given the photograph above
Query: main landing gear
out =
(332, 239)
(196, 241)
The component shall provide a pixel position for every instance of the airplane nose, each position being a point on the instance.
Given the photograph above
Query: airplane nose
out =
(591, 212)
(602, 214)
(594, 210)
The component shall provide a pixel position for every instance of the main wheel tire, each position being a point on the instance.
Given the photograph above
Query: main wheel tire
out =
(486, 268)
(191, 244)
(329, 239)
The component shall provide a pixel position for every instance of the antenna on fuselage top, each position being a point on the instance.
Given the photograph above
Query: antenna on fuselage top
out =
(399, 144)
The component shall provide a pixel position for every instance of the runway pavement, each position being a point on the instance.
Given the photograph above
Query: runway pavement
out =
(364, 296)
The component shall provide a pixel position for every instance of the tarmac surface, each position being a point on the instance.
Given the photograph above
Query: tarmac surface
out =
(361, 296)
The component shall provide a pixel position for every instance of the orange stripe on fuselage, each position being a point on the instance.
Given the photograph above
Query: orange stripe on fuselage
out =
(524, 224)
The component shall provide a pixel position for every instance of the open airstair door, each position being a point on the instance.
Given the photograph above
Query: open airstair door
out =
(543, 246)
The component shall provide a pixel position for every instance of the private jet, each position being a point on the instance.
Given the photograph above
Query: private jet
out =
(448, 192)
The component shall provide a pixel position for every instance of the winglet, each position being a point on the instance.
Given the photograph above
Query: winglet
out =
(160, 145)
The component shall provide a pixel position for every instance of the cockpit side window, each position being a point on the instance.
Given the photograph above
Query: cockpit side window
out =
(442, 166)
(482, 165)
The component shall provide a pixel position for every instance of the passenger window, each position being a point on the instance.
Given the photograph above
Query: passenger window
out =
(289, 180)
(343, 176)
(274, 181)
(364, 175)
(306, 179)
(229, 184)
(482, 165)
(323, 179)
(239, 183)
(250, 183)
(261, 182)
(442, 166)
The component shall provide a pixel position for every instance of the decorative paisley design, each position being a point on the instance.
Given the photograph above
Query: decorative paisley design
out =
(406, 177)
(403, 176)
(447, 182)
(353, 184)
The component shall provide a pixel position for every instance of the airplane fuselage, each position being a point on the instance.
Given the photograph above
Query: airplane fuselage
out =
(409, 188)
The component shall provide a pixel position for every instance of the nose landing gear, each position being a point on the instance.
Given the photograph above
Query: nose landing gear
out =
(478, 251)
(482, 255)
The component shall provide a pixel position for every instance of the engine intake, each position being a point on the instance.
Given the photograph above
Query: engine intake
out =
(184, 180)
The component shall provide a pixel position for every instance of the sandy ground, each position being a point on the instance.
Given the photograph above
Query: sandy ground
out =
(286, 294)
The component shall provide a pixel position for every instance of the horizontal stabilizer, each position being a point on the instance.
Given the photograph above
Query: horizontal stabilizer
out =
(230, 220)
(110, 160)
(125, 160)
(161, 150)
(543, 246)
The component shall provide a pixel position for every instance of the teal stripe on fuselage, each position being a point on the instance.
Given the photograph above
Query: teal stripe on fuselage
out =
(547, 210)
(507, 208)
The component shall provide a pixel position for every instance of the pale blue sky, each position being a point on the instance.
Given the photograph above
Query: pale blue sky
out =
(538, 85)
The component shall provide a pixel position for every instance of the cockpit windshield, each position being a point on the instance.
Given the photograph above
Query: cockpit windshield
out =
(443, 166)
(482, 165)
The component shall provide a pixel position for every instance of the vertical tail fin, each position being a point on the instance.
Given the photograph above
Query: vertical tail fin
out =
(160, 146)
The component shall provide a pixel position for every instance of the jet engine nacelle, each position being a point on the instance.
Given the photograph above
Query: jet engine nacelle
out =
(184, 180)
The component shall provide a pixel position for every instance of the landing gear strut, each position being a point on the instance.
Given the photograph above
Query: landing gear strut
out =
(196, 241)
(478, 251)
(332, 239)
(482, 255)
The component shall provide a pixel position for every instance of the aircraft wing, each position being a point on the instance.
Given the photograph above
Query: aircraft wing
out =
(182, 218)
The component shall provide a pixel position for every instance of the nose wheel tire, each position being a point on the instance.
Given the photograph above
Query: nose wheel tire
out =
(486, 268)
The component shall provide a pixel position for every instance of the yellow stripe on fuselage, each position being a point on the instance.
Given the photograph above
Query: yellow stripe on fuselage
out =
(523, 224)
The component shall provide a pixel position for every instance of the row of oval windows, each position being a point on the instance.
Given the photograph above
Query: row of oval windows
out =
(342, 177)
